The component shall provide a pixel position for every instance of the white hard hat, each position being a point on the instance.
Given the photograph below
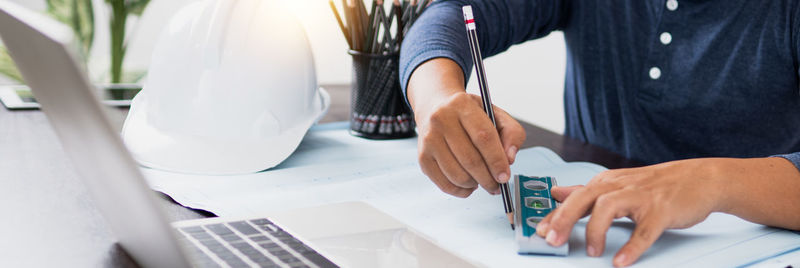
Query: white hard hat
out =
(231, 90)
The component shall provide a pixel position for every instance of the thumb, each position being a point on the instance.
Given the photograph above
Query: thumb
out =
(512, 135)
(561, 193)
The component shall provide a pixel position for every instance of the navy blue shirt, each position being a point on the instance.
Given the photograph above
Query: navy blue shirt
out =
(653, 80)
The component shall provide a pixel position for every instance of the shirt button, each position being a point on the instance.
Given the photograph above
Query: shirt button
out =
(655, 73)
(672, 5)
(666, 38)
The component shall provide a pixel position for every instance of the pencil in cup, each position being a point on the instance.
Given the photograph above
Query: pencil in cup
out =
(374, 36)
(375, 113)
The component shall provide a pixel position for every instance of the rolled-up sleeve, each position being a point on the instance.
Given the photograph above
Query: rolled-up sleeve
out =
(793, 157)
(440, 31)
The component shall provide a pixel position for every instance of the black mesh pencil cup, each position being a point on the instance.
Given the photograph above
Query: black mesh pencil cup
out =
(378, 110)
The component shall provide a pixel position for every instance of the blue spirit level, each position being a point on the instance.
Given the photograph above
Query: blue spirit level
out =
(532, 201)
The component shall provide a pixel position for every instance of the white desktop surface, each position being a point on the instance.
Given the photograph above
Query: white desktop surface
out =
(332, 166)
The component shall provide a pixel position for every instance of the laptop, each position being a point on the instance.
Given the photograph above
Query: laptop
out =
(346, 234)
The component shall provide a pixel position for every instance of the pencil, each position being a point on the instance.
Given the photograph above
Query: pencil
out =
(375, 27)
(363, 15)
(341, 24)
(398, 12)
(355, 24)
(420, 8)
(372, 30)
(348, 17)
(389, 43)
(412, 13)
(472, 35)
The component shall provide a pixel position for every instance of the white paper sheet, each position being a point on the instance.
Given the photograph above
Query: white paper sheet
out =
(332, 166)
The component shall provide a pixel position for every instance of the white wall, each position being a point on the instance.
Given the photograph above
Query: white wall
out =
(527, 80)
(33, 4)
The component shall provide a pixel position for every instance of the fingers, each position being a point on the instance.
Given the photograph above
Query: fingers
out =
(558, 224)
(560, 193)
(607, 208)
(485, 138)
(645, 233)
(462, 149)
(451, 152)
(512, 135)
(452, 169)
(431, 168)
(446, 143)
(470, 159)
(607, 202)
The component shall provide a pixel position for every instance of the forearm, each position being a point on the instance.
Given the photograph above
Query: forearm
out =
(761, 190)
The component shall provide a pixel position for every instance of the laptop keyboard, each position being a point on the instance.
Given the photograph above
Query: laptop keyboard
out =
(252, 243)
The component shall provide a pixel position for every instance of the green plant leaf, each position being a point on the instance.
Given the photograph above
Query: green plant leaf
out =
(79, 15)
(83, 13)
(61, 10)
(136, 7)
(7, 66)
(120, 10)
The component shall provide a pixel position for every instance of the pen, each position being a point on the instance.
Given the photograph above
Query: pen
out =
(474, 47)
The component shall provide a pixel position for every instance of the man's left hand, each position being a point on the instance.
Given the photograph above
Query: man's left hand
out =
(676, 194)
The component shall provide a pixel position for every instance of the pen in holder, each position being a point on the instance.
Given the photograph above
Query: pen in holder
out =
(378, 110)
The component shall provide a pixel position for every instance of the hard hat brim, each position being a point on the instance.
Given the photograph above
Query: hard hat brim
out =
(193, 153)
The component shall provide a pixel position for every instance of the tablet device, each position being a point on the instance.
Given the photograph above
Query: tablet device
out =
(18, 97)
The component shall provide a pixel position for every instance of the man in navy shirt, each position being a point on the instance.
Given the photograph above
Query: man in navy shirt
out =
(705, 91)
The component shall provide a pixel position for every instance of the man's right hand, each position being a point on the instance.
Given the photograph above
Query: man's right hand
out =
(459, 148)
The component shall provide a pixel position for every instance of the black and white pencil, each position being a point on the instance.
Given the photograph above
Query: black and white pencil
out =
(474, 47)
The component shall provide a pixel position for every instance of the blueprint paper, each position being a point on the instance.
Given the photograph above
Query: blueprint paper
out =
(332, 166)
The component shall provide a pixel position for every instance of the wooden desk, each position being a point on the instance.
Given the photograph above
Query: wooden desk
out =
(52, 222)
